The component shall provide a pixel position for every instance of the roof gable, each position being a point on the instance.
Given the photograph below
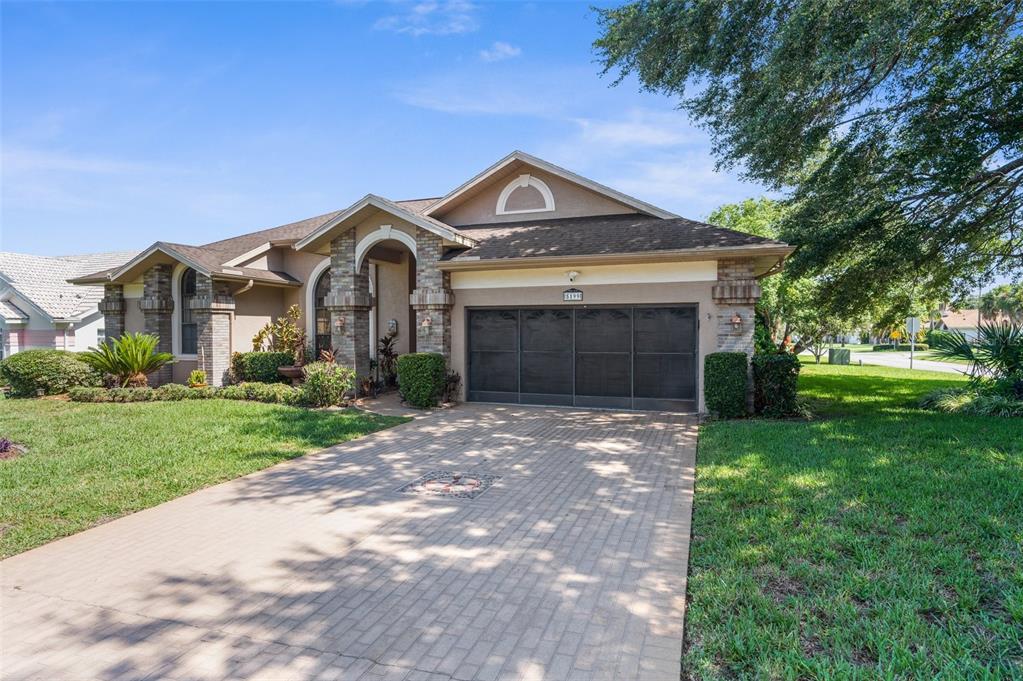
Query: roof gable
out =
(519, 163)
(42, 281)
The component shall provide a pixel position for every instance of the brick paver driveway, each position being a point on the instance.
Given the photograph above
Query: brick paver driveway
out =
(572, 565)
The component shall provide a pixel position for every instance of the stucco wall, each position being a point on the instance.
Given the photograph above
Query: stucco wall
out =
(182, 368)
(660, 293)
(253, 310)
(134, 322)
(570, 200)
(392, 299)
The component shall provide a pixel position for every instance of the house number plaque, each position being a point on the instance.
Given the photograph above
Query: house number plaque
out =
(572, 295)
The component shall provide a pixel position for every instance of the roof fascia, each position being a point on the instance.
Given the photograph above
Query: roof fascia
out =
(158, 247)
(682, 255)
(11, 288)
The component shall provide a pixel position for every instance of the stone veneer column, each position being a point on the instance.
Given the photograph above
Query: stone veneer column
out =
(211, 309)
(736, 293)
(349, 304)
(112, 307)
(432, 299)
(157, 305)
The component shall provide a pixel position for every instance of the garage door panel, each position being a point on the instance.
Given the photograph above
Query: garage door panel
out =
(547, 330)
(493, 371)
(603, 374)
(494, 330)
(664, 329)
(603, 330)
(669, 377)
(547, 372)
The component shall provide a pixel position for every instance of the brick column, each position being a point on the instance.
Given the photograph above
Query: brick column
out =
(735, 296)
(432, 300)
(157, 304)
(112, 307)
(349, 304)
(211, 309)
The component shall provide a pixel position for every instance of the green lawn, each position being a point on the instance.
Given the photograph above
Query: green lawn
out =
(875, 541)
(89, 463)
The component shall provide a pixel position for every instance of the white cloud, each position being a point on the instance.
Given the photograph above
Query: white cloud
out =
(640, 127)
(432, 17)
(500, 51)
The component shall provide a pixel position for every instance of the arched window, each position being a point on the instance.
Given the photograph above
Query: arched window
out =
(525, 194)
(189, 330)
(322, 313)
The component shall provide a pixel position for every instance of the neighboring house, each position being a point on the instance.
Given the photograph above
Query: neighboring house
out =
(538, 285)
(39, 308)
(964, 321)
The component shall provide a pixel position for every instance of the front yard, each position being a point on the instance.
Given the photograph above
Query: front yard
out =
(89, 463)
(875, 540)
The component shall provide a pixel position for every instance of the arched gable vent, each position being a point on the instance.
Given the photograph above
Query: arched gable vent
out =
(525, 194)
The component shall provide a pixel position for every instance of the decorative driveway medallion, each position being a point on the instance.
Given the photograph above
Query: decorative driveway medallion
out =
(458, 484)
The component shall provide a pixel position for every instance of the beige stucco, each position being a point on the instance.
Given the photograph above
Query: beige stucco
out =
(181, 369)
(570, 200)
(392, 299)
(253, 310)
(637, 294)
(652, 273)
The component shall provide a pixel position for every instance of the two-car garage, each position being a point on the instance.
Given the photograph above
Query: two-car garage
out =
(623, 356)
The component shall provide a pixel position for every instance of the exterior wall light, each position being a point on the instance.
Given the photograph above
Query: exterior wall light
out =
(736, 322)
(339, 324)
(572, 275)
(427, 322)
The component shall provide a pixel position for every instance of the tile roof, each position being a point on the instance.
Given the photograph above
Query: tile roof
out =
(600, 235)
(966, 319)
(43, 280)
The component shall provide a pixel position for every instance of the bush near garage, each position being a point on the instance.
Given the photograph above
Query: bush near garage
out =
(326, 384)
(51, 372)
(421, 378)
(260, 366)
(775, 381)
(725, 377)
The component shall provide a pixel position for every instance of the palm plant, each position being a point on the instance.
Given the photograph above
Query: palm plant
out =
(997, 352)
(129, 359)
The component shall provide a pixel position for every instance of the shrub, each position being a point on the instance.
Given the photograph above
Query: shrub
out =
(129, 358)
(839, 356)
(902, 347)
(232, 392)
(775, 381)
(196, 378)
(282, 335)
(273, 393)
(421, 378)
(882, 348)
(89, 394)
(171, 392)
(326, 384)
(452, 386)
(979, 400)
(260, 366)
(132, 394)
(724, 383)
(50, 371)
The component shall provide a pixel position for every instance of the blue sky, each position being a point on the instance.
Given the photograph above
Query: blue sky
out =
(124, 123)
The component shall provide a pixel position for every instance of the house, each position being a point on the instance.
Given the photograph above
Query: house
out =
(538, 285)
(40, 309)
(965, 321)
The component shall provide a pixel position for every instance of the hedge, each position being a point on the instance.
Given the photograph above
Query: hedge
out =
(326, 384)
(275, 393)
(725, 379)
(50, 371)
(421, 378)
(775, 383)
(902, 347)
(260, 366)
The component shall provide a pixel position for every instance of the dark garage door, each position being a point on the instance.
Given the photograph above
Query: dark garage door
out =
(634, 357)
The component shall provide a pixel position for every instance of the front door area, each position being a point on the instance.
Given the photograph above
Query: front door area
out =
(626, 357)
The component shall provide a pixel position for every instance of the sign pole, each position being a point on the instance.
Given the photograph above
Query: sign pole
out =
(913, 328)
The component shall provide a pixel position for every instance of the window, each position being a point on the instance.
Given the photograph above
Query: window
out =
(189, 329)
(322, 313)
(525, 194)
(101, 337)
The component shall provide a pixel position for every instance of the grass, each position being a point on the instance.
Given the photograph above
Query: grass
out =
(875, 541)
(89, 463)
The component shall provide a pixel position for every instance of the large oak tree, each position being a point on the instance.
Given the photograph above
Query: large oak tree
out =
(893, 127)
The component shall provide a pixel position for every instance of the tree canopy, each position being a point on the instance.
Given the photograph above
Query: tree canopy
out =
(894, 128)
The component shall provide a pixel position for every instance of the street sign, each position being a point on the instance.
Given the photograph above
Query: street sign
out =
(913, 325)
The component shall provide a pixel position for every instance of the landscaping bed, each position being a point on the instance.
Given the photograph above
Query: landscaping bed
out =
(88, 463)
(877, 539)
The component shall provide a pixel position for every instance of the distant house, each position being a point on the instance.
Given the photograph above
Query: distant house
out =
(40, 309)
(963, 321)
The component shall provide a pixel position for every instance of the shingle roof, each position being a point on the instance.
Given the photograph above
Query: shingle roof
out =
(43, 280)
(601, 235)
(213, 255)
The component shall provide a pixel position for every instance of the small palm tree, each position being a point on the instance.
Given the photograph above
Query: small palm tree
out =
(997, 352)
(129, 358)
